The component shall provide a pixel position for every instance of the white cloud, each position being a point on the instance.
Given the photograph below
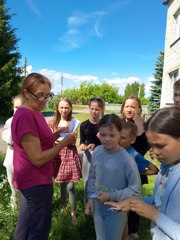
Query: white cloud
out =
(148, 86)
(29, 69)
(114, 73)
(96, 29)
(121, 83)
(81, 27)
(77, 19)
(74, 80)
(69, 80)
(34, 8)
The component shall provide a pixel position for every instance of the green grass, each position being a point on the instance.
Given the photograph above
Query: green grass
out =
(61, 228)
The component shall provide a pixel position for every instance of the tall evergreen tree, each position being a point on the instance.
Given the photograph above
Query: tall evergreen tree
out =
(156, 85)
(10, 78)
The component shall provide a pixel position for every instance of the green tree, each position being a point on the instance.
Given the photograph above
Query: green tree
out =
(156, 84)
(135, 89)
(10, 78)
(109, 93)
(87, 90)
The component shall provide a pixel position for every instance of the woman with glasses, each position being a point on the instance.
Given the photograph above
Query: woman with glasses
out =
(34, 151)
(88, 134)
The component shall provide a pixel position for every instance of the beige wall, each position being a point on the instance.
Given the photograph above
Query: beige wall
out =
(171, 54)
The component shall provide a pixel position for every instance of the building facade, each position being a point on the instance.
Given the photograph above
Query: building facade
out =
(171, 70)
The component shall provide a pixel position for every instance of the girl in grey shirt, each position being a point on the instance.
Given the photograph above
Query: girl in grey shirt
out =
(113, 176)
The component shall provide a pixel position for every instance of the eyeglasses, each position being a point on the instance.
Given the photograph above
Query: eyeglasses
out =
(41, 98)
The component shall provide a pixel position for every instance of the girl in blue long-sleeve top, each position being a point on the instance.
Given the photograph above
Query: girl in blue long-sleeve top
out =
(163, 132)
(113, 176)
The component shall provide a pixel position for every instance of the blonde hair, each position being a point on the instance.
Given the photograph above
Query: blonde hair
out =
(19, 97)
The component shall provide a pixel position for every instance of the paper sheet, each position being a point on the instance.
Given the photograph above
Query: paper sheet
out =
(72, 128)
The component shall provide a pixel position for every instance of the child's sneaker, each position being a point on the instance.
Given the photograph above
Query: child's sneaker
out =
(133, 236)
(63, 210)
(73, 218)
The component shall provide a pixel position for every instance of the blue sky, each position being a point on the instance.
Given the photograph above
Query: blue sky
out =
(113, 41)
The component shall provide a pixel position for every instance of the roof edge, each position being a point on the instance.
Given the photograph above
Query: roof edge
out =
(166, 2)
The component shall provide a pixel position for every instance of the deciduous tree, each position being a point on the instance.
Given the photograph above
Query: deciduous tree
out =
(135, 89)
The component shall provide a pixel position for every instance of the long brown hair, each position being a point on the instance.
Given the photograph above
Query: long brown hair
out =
(131, 97)
(57, 115)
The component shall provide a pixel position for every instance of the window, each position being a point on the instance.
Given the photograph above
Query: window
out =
(173, 76)
(177, 24)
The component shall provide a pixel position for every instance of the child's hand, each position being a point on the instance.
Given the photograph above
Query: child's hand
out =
(123, 205)
(91, 146)
(70, 138)
(143, 209)
(83, 147)
(102, 197)
(139, 122)
(89, 207)
(152, 154)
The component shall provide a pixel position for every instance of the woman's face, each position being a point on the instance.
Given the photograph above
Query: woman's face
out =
(64, 109)
(38, 98)
(165, 147)
(95, 111)
(131, 108)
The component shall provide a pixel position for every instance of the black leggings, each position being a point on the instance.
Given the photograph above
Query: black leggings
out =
(65, 188)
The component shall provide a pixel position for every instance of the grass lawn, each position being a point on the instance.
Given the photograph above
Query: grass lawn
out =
(61, 228)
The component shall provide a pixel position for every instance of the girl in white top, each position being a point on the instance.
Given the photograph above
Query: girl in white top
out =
(8, 161)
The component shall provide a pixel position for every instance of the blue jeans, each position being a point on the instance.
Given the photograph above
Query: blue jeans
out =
(34, 220)
(108, 225)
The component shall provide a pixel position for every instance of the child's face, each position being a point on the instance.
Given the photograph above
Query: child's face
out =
(126, 140)
(94, 110)
(131, 108)
(64, 109)
(165, 147)
(176, 96)
(109, 137)
(17, 104)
